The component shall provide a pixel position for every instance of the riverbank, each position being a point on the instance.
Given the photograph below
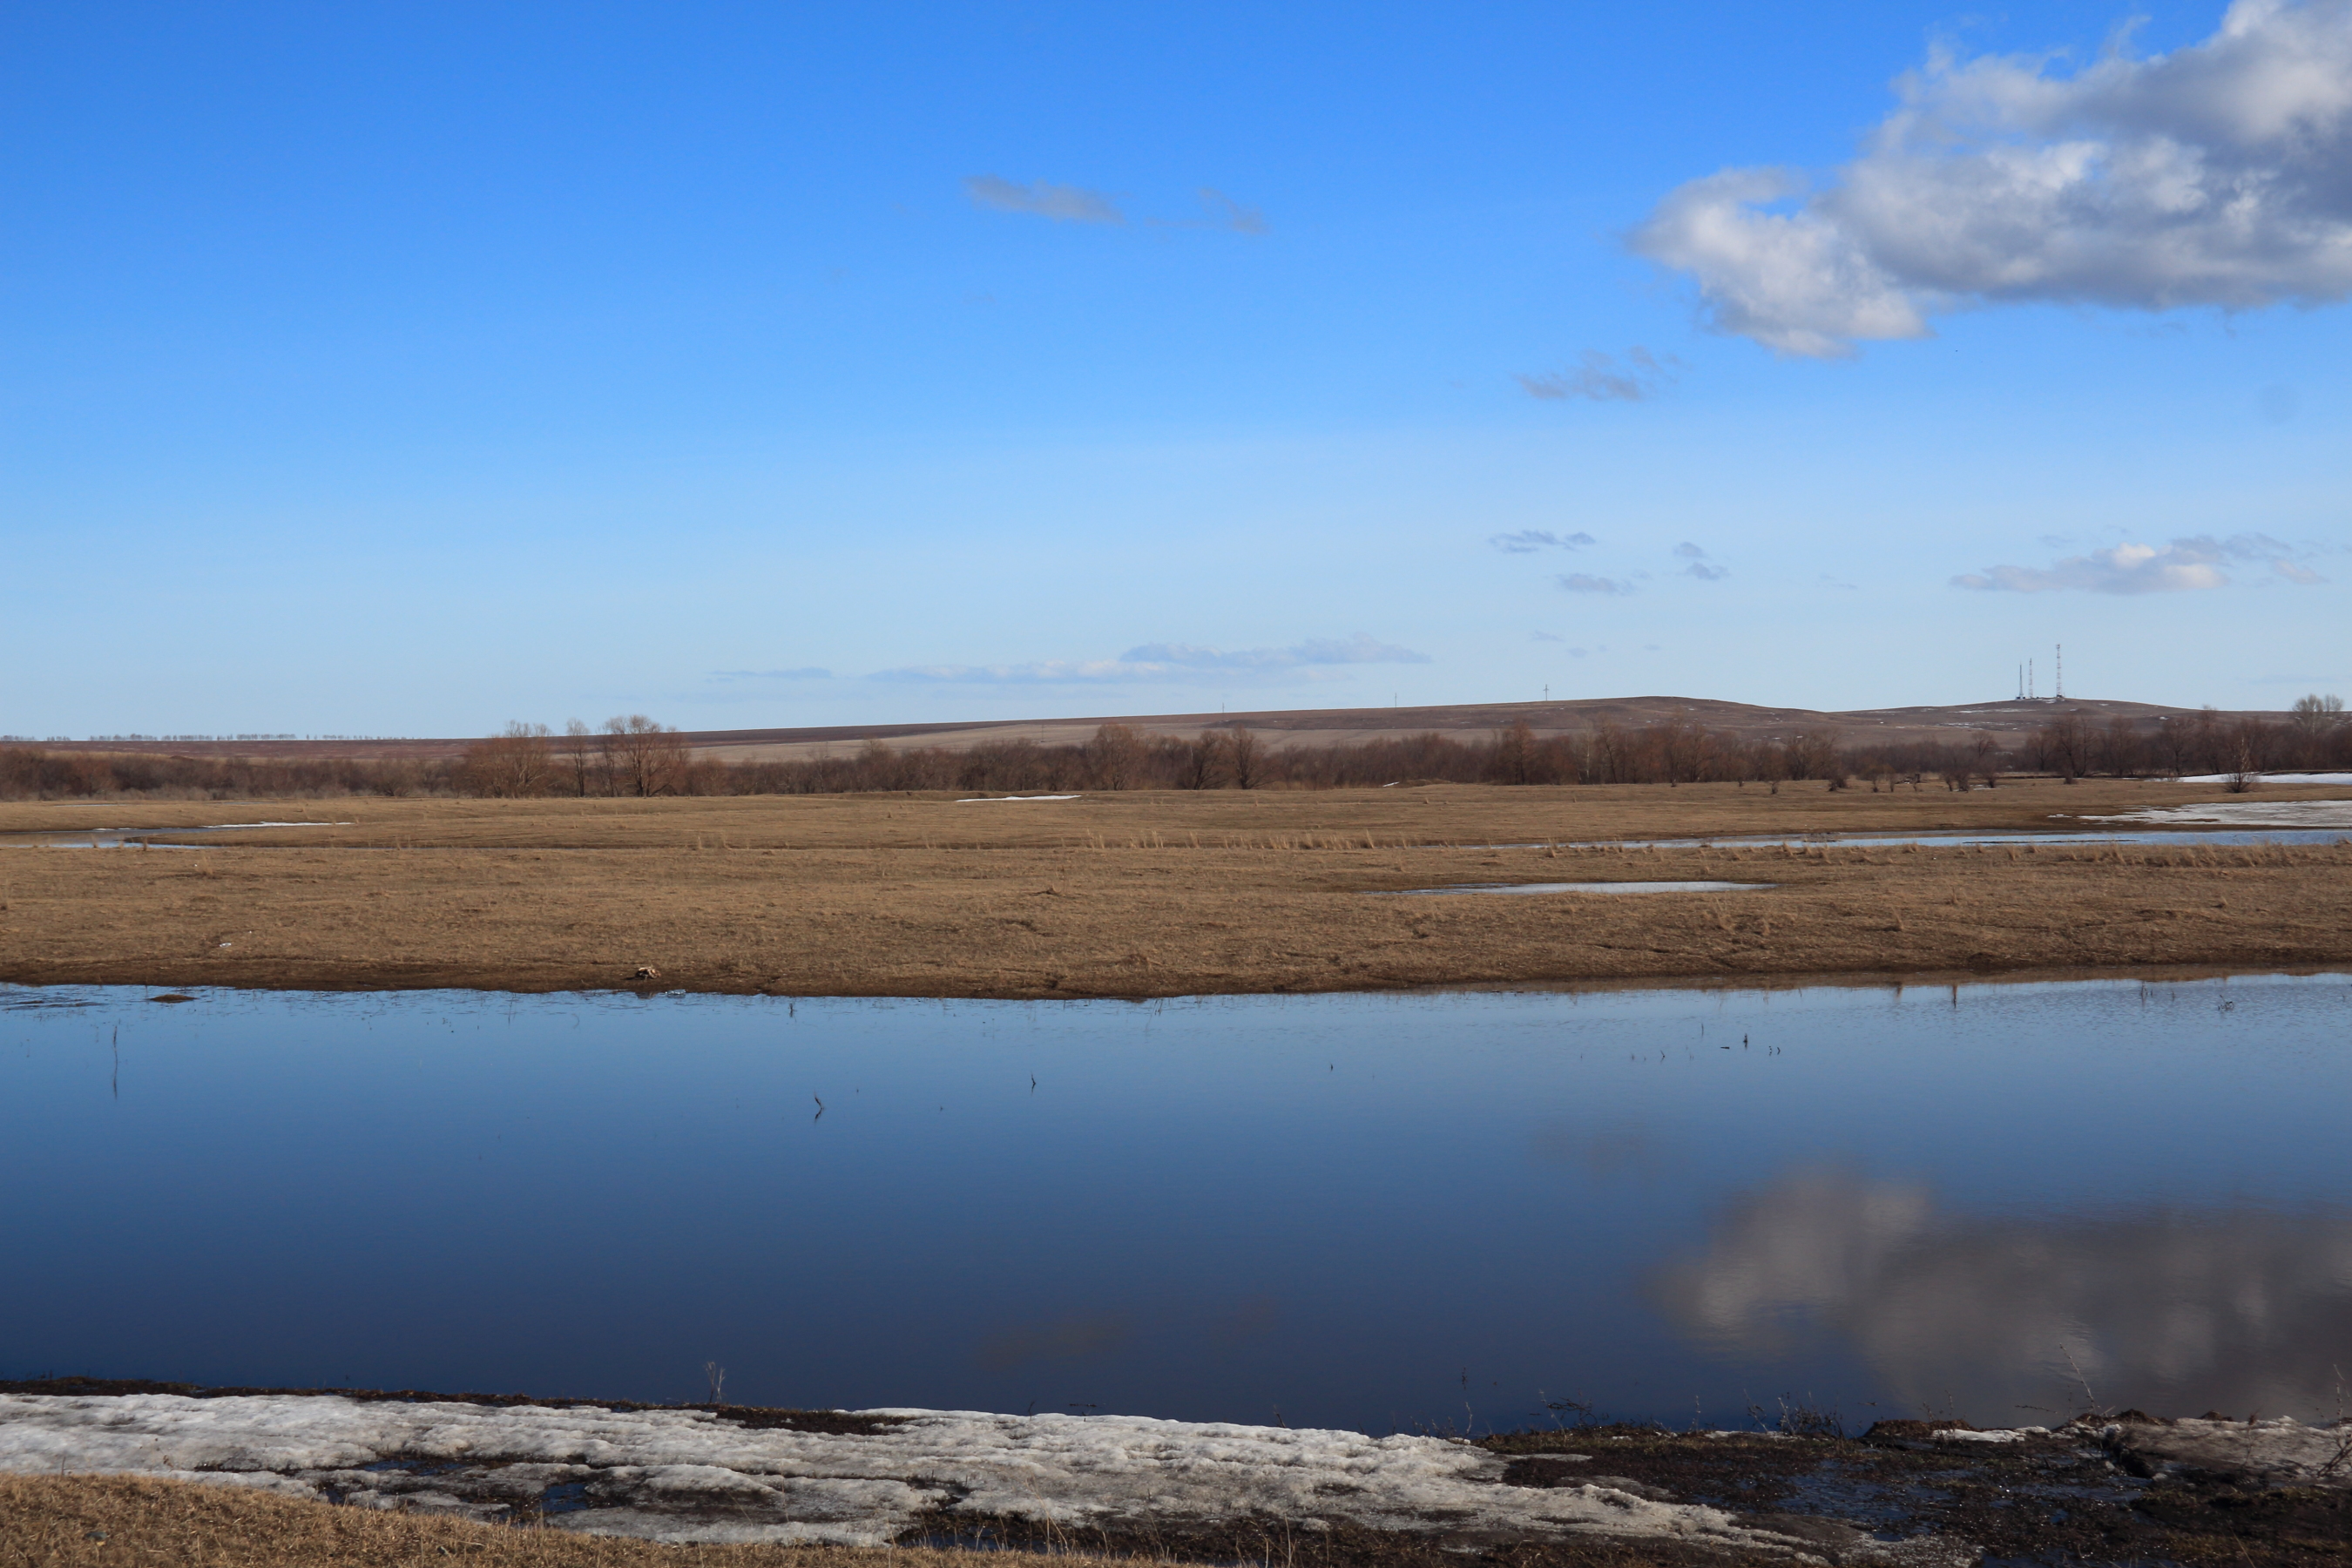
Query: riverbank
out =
(1790, 1488)
(1144, 895)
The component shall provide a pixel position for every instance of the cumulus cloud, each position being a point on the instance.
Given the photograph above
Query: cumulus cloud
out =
(1041, 198)
(1162, 662)
(1527, 541)
(1585, 582)
(2218, 174)
(2183, 565)
(1600, 378)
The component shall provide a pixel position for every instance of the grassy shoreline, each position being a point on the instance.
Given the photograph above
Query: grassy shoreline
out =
(1148, 895)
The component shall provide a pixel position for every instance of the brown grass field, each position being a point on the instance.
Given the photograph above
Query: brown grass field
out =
(1141, 894)
(131, 1522)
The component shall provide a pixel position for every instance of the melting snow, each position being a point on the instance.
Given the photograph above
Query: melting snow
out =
(691, 1475)
(987, 799)
(2247, 813)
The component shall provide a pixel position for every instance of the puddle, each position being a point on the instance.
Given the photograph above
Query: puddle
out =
(134, 837)
(1581, 887)
(2178, 836)
(1357, 1211)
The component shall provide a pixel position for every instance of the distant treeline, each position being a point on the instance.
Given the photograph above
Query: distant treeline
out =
(637, 756)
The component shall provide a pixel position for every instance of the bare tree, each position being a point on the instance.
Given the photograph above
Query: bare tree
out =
(646, 758)
(1115, 757)
(1242, 754)
(2316, 715)
(514, 763)
(1515, 755)
(1813, 755)
(1205, 762)
(579, 751)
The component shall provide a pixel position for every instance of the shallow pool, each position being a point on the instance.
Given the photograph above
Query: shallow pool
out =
(2008, 1201)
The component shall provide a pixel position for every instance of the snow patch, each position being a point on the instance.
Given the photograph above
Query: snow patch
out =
(692, 1475)
(2246, 814)
(991, 799)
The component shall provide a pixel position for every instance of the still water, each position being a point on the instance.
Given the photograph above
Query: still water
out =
(1364, 1210)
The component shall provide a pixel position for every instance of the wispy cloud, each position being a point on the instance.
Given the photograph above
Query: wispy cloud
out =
(1042, 198)
(811, 673)
(1699, 565)
(2183, 565)
(1544, 637)
(1170, 662)
(2212, 175)
(1527, 541)
(1585, 582)
(1220, 211)
(1600, 378)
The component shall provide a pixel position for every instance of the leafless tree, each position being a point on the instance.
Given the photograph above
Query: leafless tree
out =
(1205, 763)
(1515, 755)
(1243, 755)
(512, 764)
(646, 758)
(580, 753)
(1116, 757)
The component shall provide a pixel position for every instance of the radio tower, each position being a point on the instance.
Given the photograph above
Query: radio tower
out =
(2060, 695)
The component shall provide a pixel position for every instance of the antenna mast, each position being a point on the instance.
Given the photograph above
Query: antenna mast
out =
(2060, 696)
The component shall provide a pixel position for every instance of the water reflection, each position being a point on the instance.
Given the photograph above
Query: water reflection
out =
(1365, 1211)
(2238, 1305)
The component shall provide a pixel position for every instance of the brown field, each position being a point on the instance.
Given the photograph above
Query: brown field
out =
(133, 1521)
(1140, 894)
(111, 1521)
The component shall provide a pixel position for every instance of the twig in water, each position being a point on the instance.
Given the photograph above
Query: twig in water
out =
(2096, 1409)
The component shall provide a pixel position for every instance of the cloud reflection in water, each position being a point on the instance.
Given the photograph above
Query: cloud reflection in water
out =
(2238, 1308)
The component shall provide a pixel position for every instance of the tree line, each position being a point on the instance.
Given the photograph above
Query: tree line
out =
(634, 756)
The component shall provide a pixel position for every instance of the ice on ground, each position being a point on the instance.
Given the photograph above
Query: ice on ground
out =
(2246, 814)
(1587, 888)
(991, 799)
(2271, 778)
(692, 1475)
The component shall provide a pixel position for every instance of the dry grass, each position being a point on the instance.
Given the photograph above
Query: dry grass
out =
(1141, 894)
(118, 1522)
(130, 1522)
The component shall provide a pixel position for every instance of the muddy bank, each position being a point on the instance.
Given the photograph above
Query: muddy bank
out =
(2098, 1489)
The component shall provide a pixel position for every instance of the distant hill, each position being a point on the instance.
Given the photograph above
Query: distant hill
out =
(1278, 728)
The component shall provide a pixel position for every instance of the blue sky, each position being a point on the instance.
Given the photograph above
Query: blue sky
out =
(407, 369)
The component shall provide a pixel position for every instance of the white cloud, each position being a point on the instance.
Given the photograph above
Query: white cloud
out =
(1544, 637)
(1689, 551)
(1706, 572)
(2183, 565)
(2218, 174)
(1599, 378)
(1585, 582)
(1041, 198)
(1527, 541)
(1163, 662)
